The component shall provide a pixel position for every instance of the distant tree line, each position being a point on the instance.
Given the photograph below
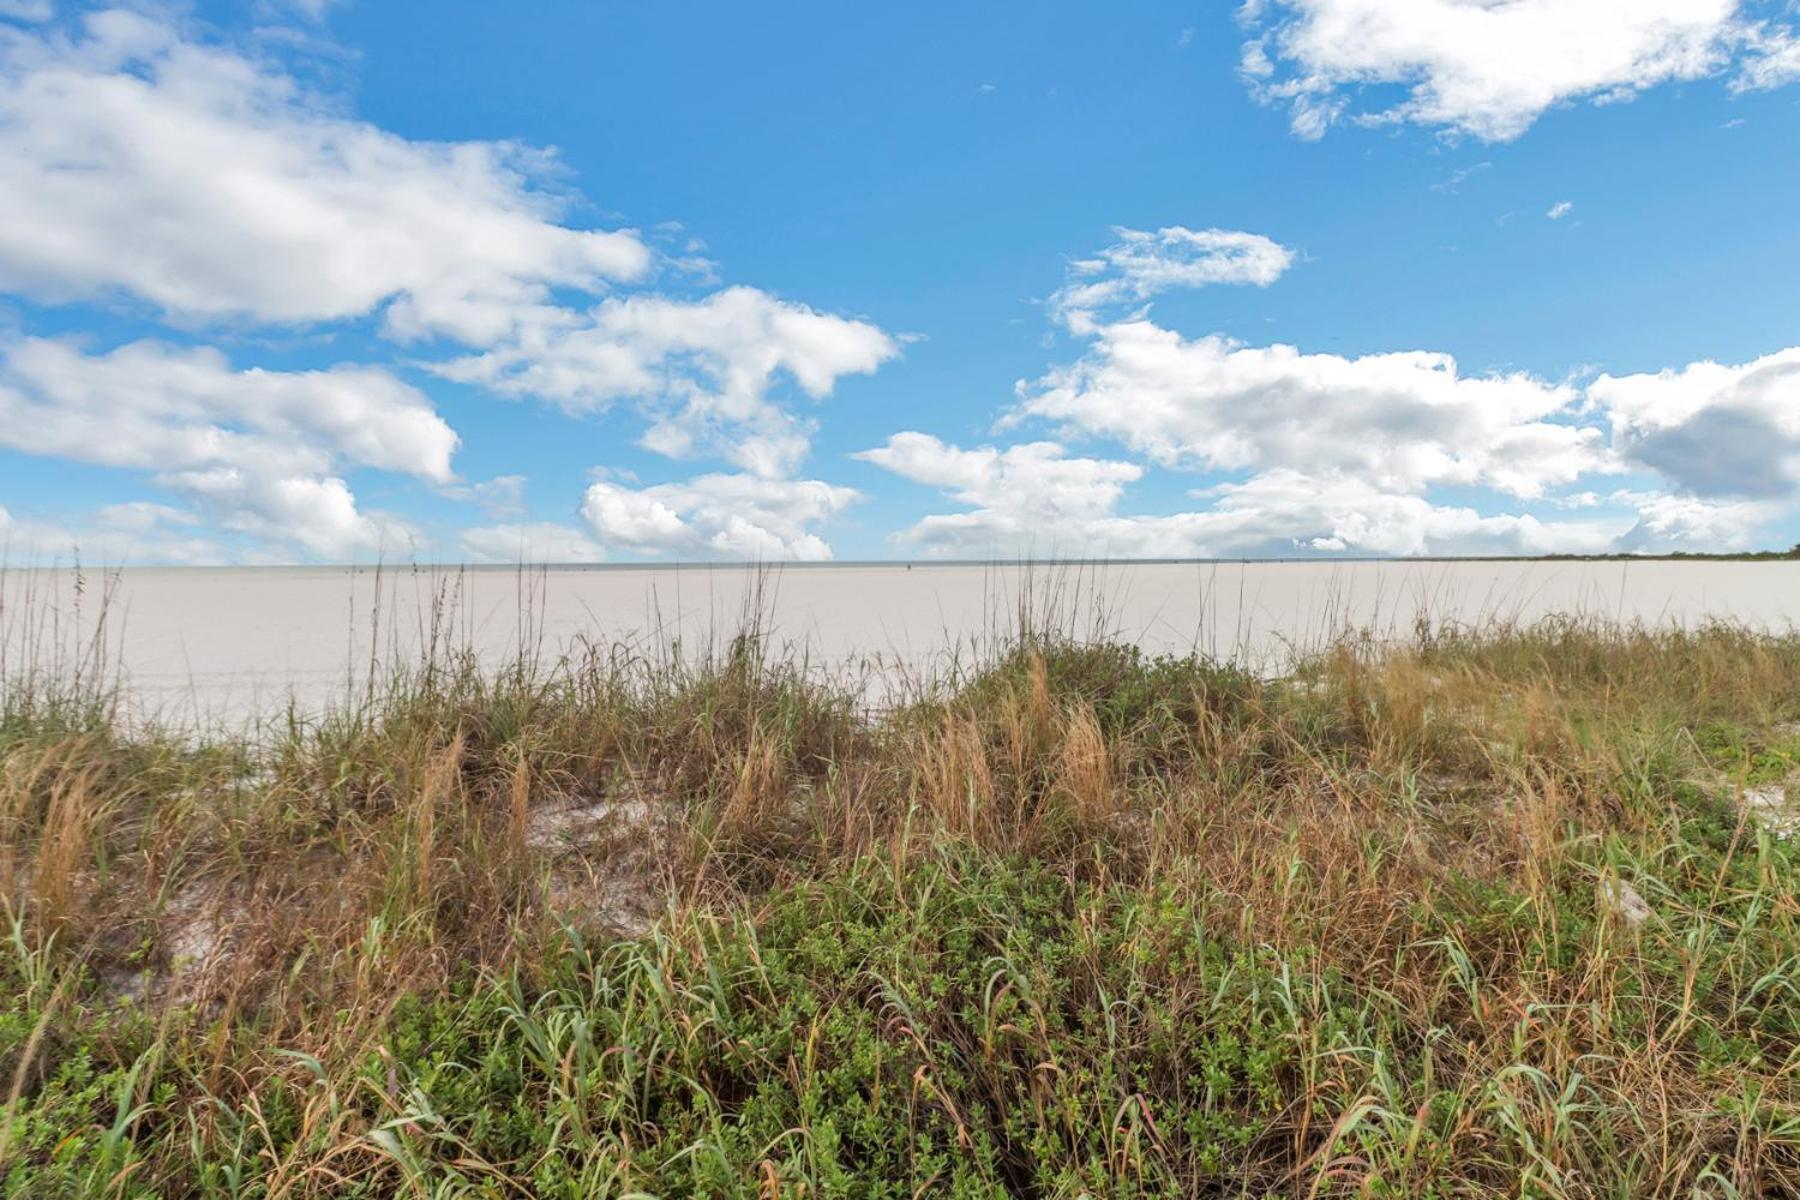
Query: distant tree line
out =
(1791, 554)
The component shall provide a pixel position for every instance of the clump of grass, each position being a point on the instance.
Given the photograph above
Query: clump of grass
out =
(1081, 922)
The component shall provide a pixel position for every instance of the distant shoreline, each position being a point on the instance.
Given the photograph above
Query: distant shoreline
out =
(1752, 556)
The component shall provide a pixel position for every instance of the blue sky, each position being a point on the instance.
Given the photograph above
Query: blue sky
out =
(582, 281)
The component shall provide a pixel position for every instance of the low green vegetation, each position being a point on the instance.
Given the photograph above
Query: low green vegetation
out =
(1789, 555)
(1508, 912)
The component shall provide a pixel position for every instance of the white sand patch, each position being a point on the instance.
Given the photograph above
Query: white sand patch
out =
(554, 830)
(1770, 807)
(194, 944)
(604, 860)
(1622, 900)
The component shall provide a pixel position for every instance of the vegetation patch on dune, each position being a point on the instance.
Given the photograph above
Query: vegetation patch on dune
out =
(1495, 912)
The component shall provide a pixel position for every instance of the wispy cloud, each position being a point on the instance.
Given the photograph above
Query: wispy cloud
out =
(1461, 176)
(27, 10)
(1141, 264)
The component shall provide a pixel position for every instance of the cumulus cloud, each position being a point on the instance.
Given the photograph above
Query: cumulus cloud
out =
(1379, 432)
(539, 542)
(1032, 498)
(1712, 429)
(1490, 69)
(1347, 513)
(1401, 420)
(1142, 264)
(258, 448)
(151, 405)
(1322, 438)
(119, 534)
(1277, 512)
(137, 161)
(1035, 480)
(703, 369)
(717, 516)
(318, 513)
(1667, 522)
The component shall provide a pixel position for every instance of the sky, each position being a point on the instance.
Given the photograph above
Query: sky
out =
(292, 281)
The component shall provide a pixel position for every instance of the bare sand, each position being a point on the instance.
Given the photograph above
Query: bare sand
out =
(204, 645)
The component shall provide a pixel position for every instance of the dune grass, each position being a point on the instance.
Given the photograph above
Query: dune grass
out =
(1483, 914)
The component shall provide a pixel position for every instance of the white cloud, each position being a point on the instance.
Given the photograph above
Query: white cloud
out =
(541, 542)
(27, 10)
(211, 187)
(320, 514)
(1709, 428)
(1315, 511)
(1490, 68)
(1461, 176)
(501, 496)
(717, 516)
(1560, 209)
(1368, 439)
(257, 448)
(141, 516)
(1034, 480)
(311, 10)
(1774, 61)
(158, 407)
(1690, 523)
(133, 533)
(1278, 512)
(1400, 420)
(1142, 264)
(703, 369)
(316, 514)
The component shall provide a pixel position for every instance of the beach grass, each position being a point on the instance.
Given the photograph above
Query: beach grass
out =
(1509, 911)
